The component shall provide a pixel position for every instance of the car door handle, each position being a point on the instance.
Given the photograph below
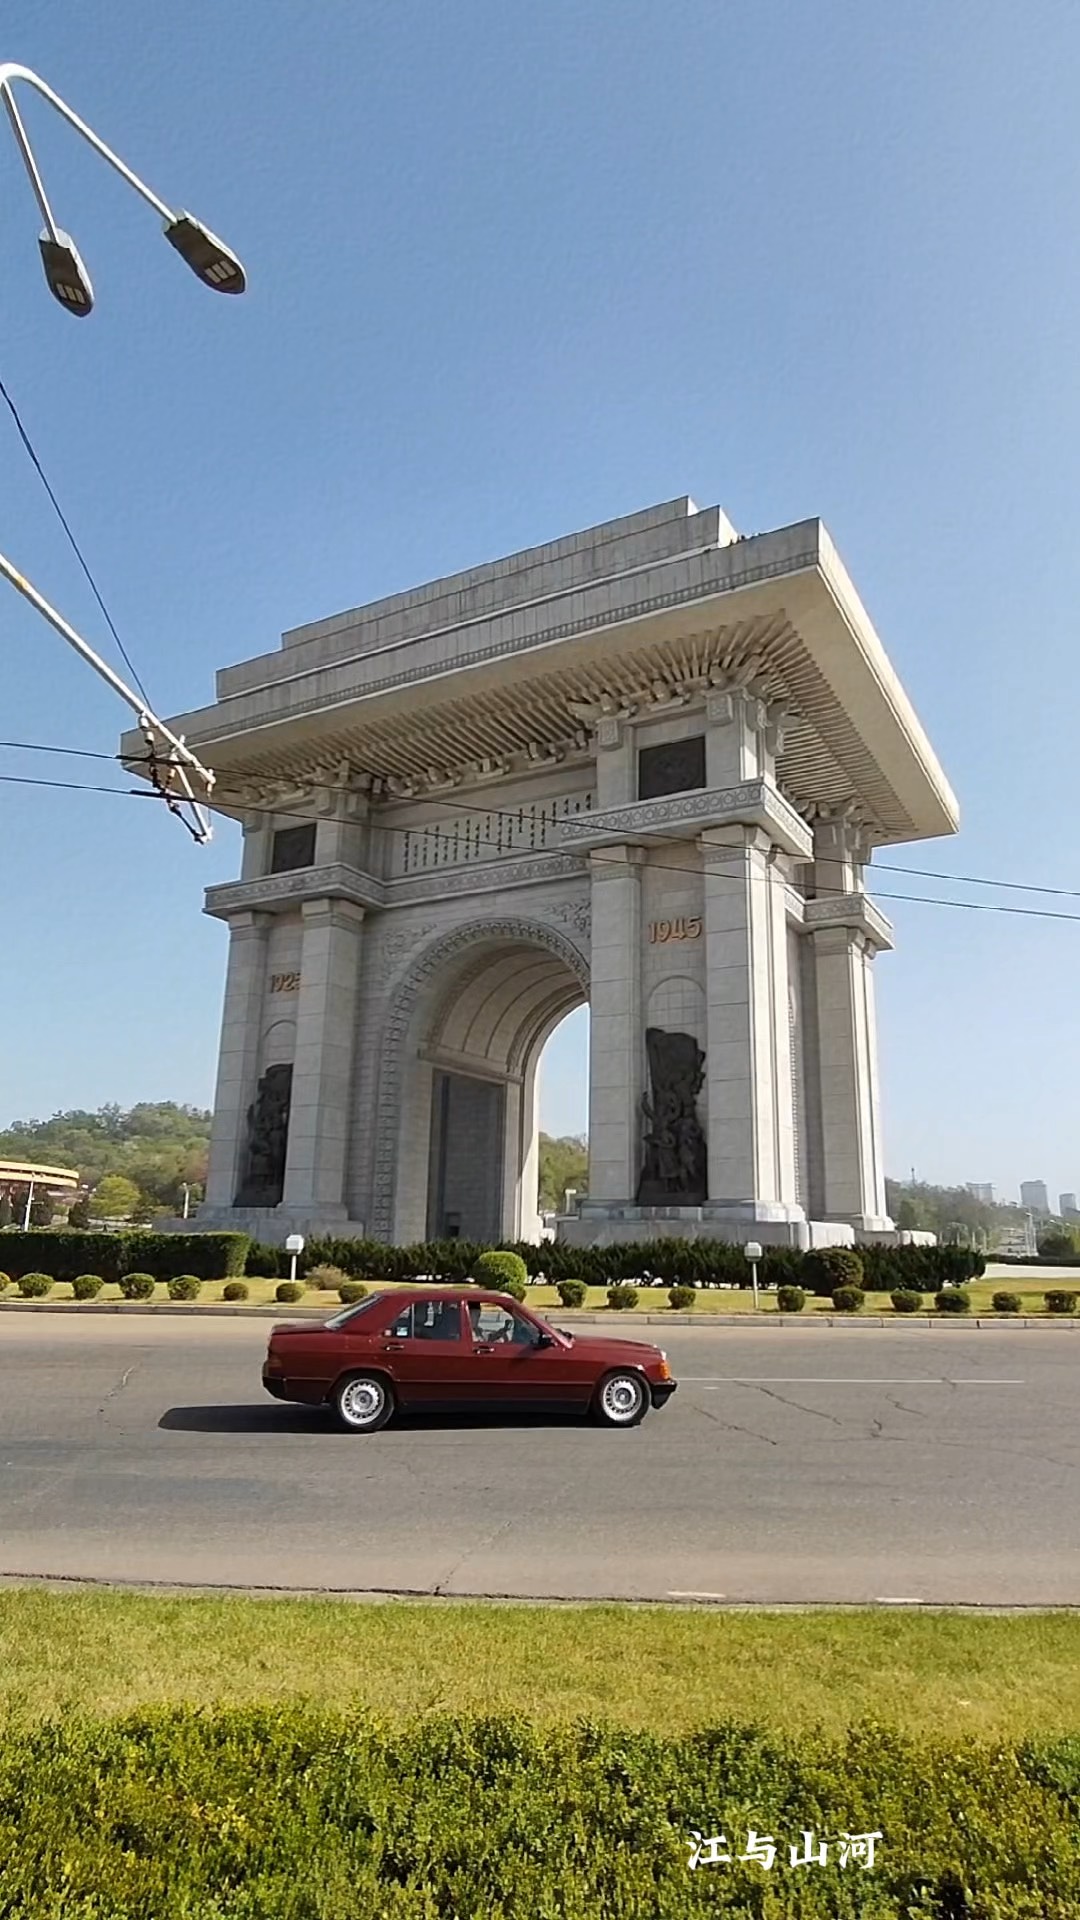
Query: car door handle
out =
(394, 1346)
(483, 1349)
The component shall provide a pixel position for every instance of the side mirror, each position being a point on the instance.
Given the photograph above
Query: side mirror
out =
(544, 1340)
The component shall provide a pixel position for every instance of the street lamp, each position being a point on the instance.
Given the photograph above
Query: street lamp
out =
(209, 258)
(177, 774)
(752, 1251)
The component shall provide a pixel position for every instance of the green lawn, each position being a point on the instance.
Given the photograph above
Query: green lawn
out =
(97, 1652)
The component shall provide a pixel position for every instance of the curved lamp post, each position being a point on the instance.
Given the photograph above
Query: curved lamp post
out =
(178, 775)
(215, 264)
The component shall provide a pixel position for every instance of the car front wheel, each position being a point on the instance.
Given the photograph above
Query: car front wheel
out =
(363, 1403)
(621, 1400)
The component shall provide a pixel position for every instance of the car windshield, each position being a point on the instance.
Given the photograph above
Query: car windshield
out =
(350, 1313)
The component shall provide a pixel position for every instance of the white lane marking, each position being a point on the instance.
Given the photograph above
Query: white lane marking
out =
(675, 1594)
(899, 1600)
(838, 1380)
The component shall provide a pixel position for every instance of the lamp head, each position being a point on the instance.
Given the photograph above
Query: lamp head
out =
(68, 279)
(215, 263)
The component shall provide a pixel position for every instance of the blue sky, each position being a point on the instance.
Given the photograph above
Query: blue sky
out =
(515, 270)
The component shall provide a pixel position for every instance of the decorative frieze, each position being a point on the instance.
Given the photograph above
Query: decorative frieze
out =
(684, 815)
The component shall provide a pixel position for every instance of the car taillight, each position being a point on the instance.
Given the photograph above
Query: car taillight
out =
(273, 1360)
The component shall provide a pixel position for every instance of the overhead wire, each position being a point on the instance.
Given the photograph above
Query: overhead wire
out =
(512, 814)
(598, 857)
(75, 547)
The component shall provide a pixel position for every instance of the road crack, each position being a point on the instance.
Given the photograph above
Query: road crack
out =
(817, 1412)
(732, 1426)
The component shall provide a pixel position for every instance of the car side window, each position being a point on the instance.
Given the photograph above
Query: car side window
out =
(427, 1320)
(494, 1326)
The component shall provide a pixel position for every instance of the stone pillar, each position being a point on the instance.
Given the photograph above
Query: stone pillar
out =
(748, 1087)
(238, 1057)
(617, 1042)
(845, 931)
(323, 1067)
(851, 1178)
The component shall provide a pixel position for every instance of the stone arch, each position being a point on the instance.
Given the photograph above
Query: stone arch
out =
(443, 953)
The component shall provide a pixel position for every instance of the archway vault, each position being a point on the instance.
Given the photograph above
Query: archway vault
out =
(478, 1005)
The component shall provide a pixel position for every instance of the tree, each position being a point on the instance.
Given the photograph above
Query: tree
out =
(563, 1163)
(79, 1212)
(42, 1208)
(114, 1198)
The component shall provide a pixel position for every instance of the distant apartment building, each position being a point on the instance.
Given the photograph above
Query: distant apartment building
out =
(1067, 1206)
(981, 1190)
(1034, 1196)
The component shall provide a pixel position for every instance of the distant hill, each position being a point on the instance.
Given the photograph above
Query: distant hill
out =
(157, 1145)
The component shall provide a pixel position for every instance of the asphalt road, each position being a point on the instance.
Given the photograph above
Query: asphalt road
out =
(843, 1465)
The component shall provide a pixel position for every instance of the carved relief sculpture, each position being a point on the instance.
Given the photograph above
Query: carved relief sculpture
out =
(675, 1165)
(263, 1180)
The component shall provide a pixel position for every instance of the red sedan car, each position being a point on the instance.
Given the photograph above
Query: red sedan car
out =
(423, 1348)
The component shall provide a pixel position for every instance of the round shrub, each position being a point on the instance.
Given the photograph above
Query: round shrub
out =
(288, 1291)
(952, 1300)
(185, 1286)
(350, 1291)
(682, 1298)
(1006, 1303)
(828, 1268)
(1060, 1300)
(503, 1272)
(326, 1279)
(34, 1286)
(261, 1262)
(87, 1286)
(235, 1290)
(572, 1293)
(848, 1299)
(906, 1300)
(790, 1299)
(622, 1297)
(5, 1282)
(137, 1286)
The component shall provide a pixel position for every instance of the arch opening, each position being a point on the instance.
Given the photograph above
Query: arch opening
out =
(482, 1012)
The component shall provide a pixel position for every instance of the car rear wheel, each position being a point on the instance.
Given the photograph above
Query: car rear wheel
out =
(621, 1400)
(363, 1403)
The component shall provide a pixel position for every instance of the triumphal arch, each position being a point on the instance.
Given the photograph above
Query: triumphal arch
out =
(645, 767)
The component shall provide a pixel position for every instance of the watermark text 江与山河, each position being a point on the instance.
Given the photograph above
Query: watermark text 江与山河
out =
(848, 1849)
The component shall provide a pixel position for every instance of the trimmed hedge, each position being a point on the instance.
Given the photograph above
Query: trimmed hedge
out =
(503, 1271)
(235, 1290)
(34, 1286)
(87, 1286)
(572, 1293)
(829, 1268)
(65, 1252)
(1060, 1300)
(622, 1298)
(185, 1286)
(848, 1299)
(667, 1263)
(137, 1286)
(682, 1298)
(1006, 1302)
(280, 1814)
(351, 1292)
(952, 1300)
(288, 1291)
(790, 1299)
(906, 1300)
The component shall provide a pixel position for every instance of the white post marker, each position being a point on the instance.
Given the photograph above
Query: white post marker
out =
(294, 1245)
(26, 1209)
(752, 1251)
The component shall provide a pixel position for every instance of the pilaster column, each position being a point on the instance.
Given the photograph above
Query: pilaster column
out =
(748, 1053)
(850, 1181)
(617, 1042)
(315, 1161)
(238, 1054)
(845, 931)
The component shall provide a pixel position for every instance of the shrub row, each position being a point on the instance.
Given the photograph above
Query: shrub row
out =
(670, 1263)
(263, 1812)
(68, 1252)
